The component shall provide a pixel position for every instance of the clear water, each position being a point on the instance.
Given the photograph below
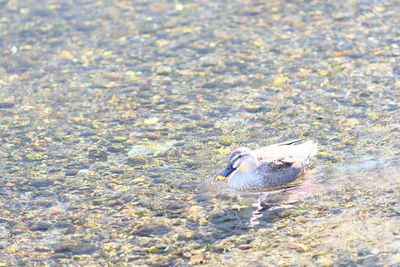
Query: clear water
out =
(114, 117)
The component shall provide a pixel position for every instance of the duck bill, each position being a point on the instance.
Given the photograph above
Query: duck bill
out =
(229, 169)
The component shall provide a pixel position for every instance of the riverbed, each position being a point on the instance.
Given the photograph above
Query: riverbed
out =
(115, 116)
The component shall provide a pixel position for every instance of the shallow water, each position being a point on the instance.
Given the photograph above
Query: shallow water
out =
(114, 116)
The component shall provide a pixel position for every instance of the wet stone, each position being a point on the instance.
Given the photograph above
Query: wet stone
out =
(252, 108)
(115, 149)
(158, 181)
(154, 204)
(87, 133)
(129, 198)
(365, 94)
(336, 211)
(64, 228)
(45, 202)
(368, 261)
(152, 136)
(135, 161)
(98, 155)
(222, 217)
(9, 223)
(71, 172)
(114, 203)
(12, 170)
(177, 206)
(202, 198)
(42, 249)
(191, 165)
(39, 226)
(41, 183)
(205, 124)
(6, 105)
(151, 230)
(158, 249)
(99, 201)
(189, 236)
(74, 247)
(225, 141)
(187, 186)
(117, 171)
(348, 263)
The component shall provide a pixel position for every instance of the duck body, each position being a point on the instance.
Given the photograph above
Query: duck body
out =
(270, 166)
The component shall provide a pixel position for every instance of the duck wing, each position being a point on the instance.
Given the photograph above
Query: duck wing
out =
(282, 163)
(288, 152)
(278, 172)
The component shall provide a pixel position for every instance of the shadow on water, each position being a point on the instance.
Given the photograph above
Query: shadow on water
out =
(254, 210)
(270, 203)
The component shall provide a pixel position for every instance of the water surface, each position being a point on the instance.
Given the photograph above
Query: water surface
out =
(116, 114)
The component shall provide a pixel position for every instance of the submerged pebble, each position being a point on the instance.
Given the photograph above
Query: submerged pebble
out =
(74, 247)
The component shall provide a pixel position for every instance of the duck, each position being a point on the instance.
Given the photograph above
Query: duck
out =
(271, 166)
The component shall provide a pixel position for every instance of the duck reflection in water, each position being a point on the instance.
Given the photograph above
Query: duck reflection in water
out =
(283, 198)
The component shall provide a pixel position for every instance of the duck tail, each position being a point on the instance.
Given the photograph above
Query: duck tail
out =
(292, 142)
(311, 146)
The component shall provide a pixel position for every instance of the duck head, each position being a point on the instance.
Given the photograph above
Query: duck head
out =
(240, 160)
